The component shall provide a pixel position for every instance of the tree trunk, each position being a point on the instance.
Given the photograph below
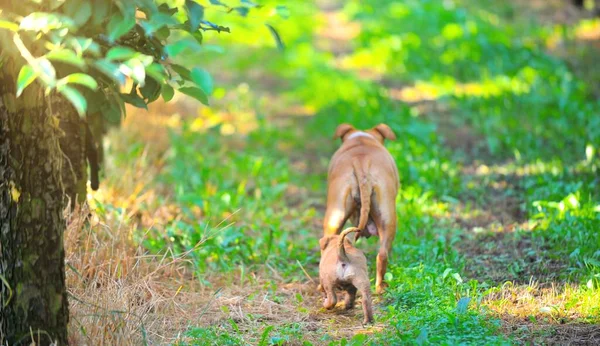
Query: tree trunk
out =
(34, 304)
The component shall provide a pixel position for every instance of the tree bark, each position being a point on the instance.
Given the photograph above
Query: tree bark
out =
(33, 299)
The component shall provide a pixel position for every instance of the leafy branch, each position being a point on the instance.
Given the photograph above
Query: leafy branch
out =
(90, 59)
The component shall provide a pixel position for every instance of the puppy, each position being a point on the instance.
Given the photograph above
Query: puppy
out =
(344, 267)
(363, 184)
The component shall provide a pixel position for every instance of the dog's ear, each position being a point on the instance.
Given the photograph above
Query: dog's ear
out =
(385, 131)
(323, 242)
(342, 130)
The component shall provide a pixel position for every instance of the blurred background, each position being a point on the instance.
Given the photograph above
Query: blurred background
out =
(495, 105)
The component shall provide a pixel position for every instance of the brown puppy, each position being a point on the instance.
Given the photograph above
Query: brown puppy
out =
(363, 183)
(344, 267)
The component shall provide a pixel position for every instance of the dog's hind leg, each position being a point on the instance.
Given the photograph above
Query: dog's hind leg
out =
(350, 298)
(339, 208)
(386, 239)
(385, 220)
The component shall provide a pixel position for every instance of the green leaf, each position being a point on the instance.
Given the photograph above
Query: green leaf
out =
(463, 305)
(282, 11)
(4, 24)
(156, 22)
(213, 48)
(167, 92)
(45, 22)
(100, 12)
(127, 7)
(176, 48)
(82, 45)
(217, 2)
(276, 37)
(67, 56)
(182, 71)
(198, 36)
(196, 93)
(162, 33)
(151, 90)
(195, 14)
(157, 71)
(111, 70)
(75, 98)
(265, 334)
(135, 100)
(113, 110)
(120, 53)
(46, 70)
(358, 339)
(146, 60)
(423, 338)
(203, 79)
(82, 79)
(243, 11)
(26, 76)
(149, 7)
(80, 11)
(119, 26)
(249, 3)
(164, 8)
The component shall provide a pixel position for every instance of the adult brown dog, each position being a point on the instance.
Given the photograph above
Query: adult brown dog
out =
(344, 267)
(363, 184)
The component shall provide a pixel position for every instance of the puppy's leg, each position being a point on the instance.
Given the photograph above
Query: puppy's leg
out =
(350, 298)
(365, 292)
(330, 297)
(321, 289)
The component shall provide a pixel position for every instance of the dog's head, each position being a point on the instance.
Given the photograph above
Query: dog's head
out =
(380, 132)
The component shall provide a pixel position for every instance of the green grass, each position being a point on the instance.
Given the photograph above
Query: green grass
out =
(253, 200)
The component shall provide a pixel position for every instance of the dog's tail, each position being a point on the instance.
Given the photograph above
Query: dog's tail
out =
(365, 189)
(341, 250)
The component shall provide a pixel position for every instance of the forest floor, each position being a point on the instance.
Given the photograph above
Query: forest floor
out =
(206, 226)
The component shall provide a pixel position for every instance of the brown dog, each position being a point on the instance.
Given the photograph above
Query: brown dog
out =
(344, 267)
(362, 184)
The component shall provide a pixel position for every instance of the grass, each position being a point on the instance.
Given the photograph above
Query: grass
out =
(207, 223)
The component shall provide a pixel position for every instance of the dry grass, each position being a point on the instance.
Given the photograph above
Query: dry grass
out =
(121, 295)
(556, 314)
(558, 303)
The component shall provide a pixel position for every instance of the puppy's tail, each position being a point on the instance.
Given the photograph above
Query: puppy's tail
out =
(341, 250)
(365, 189)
